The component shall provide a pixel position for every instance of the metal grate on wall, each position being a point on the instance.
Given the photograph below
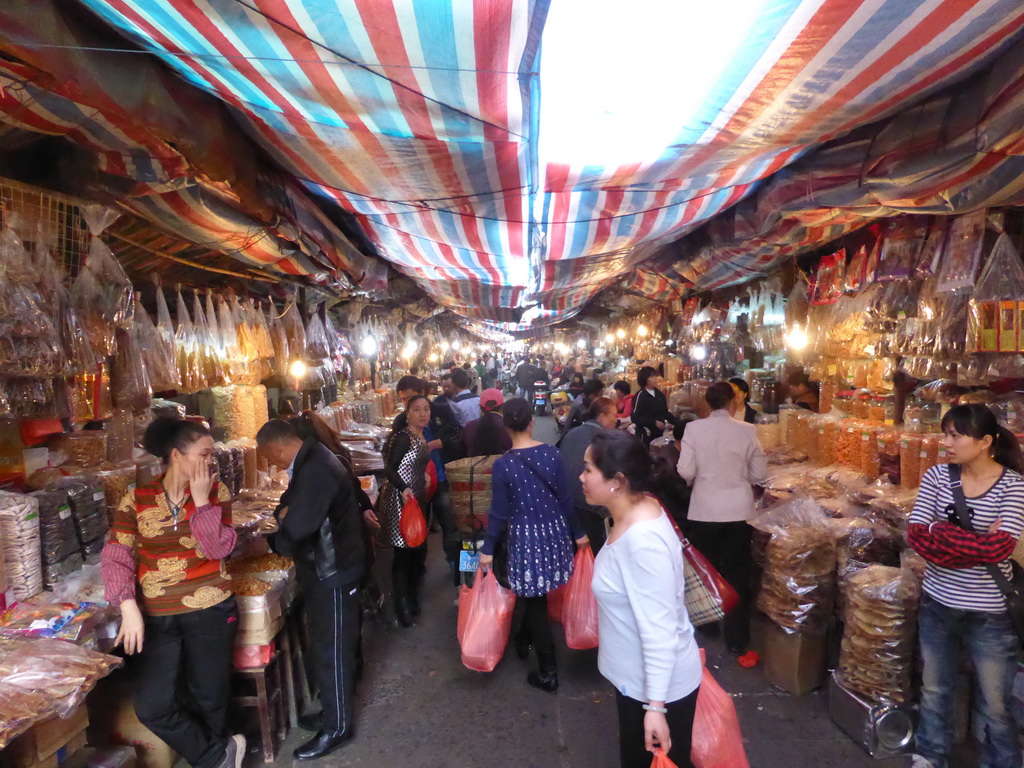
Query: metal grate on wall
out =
(41, 216)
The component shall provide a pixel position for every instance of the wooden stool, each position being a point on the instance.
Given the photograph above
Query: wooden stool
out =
(296, 683)
(269, 701)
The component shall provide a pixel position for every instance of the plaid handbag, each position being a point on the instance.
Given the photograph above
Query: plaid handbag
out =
(709, 597)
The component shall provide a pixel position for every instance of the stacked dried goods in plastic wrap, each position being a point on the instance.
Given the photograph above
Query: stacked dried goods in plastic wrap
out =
(798, 586)
(876, 656)
(88, 511)
(240, 410)
(62, 554)
(40, 678)
(19, 536)
(30, 345)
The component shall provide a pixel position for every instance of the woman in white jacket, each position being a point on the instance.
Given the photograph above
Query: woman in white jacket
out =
(647, 650)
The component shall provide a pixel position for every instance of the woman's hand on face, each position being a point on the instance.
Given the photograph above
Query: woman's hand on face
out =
(133, 628)
(656, 733)
(200, 483)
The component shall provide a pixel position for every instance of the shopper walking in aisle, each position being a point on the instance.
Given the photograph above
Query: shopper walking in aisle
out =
(167, 541)
(602, 415)
(722, 458)
(962, 603)
(321, 527)
(406, 456)
(592, 389)
(487, 435)
(744, 410)
(532, 514)
(650, 406)
(647, 649)
(465, 404)
(444, 439)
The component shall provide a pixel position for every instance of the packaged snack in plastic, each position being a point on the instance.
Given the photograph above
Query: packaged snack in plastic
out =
(187, 351)
(934, 247)
(157, 356)
(86, 448)
(997, 302)
(282, 349)
(963, 251)
(877, 651)
(317, 347)
(902, 238)
(29, 342)
(798, 586)
(829, 281)
(854, 279)
(113, 288)
(131, 387)
(295, 330)
(19, 539)
(209, 359)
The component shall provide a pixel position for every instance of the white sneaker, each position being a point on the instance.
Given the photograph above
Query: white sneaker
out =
(239, 744)
(916, 761)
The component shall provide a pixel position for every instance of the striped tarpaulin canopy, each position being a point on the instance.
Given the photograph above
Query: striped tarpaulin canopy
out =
(477, 141)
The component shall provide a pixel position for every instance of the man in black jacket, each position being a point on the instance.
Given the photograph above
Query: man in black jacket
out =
(320, 526)
(444, 439)
(650, 406)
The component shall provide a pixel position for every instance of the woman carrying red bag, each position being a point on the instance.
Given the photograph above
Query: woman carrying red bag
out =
(647, 650)
(531, 502)
(405, 465)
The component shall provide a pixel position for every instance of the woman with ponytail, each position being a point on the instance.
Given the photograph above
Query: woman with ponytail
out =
(162, 567)
(962, 602)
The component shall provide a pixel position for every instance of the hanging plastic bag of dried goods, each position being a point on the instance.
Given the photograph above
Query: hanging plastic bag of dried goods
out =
(115, 288)
(209, 359)
(129, 377)
(77, 352)
(159, 359)
(228, 329)
(317, 347)
(29, 343)
(295, 330)
(282, 349)
(997, 302)
(187, 355)
(962, 255)
(216, 333)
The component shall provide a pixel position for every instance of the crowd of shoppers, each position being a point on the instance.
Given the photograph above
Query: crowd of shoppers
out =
(628, 499)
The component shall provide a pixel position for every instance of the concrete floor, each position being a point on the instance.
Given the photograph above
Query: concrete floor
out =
(419, 707)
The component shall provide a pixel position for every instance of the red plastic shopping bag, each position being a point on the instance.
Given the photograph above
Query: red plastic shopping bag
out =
(556, 603)
(717, 742)
(412, 525)
(661, 761)
(579, 615)
(485, 619)
(431, 490)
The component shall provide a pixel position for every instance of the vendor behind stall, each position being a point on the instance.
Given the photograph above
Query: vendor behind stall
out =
(321, 528)
(169, 538)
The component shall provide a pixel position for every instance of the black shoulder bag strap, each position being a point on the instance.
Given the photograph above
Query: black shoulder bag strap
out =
(1012, 591)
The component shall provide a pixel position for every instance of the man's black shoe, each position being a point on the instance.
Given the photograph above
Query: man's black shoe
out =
(323, 744)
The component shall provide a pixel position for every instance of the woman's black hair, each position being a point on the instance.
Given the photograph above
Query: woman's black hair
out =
(517, 415)
(620, 453)
(741, 385)
(719, 395)
(165, 434)
(644, 375)
(622, 387)
(977, 421)
(488, 434)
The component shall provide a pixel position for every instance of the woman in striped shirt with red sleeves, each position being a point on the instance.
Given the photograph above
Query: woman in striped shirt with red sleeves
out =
(961, 601)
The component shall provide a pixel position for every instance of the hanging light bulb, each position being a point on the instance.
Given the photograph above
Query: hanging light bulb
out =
(581, 344)
(433, 357)
(609, 339)
(621, 333)
(369, 346)
(699, 353)
(410, 350)
(444, 346)
(298, 370)
(456, 344)
(796, 339)
(642, 331)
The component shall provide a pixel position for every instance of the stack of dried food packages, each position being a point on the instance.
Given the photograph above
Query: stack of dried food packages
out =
(264, 587)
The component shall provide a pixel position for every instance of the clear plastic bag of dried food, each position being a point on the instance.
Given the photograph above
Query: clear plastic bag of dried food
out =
(130, 378)
(295, 330)
(317, 347)
(209, 358)
(158, 356)
(798, 584)
(994, 321)
(877, 650)
(187, 351)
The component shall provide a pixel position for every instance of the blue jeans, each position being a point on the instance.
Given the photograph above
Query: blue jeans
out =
(992, 647)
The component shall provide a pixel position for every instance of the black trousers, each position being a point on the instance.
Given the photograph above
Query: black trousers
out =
(533, 624)
(334, 620)
(632, 751)
(444, 513)
(407, 570)
(727, 547)
(183, 680)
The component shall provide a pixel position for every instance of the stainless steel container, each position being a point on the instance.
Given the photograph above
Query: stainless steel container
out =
(883, 730)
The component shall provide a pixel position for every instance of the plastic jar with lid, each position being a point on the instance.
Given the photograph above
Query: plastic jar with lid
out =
(910, 459)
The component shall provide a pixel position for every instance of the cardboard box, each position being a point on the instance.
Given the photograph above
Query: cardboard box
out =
(113, 722)
(260, 636)
(794, 662)
(12, 757)
(43, 740)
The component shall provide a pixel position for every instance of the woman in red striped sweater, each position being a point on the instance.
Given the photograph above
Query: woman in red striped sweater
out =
(169, 538)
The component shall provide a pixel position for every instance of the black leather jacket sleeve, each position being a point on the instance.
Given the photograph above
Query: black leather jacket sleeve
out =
(310, 497)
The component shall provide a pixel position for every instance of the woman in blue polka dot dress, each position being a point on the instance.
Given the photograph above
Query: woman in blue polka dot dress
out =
(533, 504)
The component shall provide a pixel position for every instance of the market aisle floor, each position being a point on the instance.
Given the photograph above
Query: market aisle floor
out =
(420, 708)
